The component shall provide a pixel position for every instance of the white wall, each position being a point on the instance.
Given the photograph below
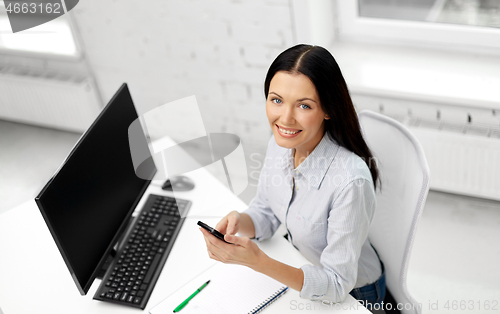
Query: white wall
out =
(166, 50)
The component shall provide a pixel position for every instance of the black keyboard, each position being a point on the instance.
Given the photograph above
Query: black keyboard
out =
(132, 275)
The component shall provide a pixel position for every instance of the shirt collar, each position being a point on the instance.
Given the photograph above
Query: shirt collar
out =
(315, 166)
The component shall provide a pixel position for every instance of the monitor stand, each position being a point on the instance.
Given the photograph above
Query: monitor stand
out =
(108, 262)
(113, 252)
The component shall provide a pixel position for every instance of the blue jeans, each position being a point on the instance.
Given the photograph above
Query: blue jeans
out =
(372, 293)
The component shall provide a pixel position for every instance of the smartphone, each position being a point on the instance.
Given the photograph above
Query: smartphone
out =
(216, 233)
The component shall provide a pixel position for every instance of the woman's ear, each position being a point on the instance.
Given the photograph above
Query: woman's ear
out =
(327, 117)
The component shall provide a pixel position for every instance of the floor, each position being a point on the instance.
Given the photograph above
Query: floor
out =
(29, 156)
(454, 265)
(456, 254)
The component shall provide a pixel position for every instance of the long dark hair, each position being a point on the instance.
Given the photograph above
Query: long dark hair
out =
(320, 67)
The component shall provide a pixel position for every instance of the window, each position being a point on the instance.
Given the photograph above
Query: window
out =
(52, 39)
(455, 24)
(465, 12)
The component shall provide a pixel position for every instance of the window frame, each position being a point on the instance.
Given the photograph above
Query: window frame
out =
(77, 57)
(352, 27)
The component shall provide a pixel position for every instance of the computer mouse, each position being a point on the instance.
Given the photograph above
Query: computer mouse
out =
(180, 183)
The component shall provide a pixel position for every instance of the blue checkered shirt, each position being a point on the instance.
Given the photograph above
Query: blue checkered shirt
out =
(326, 205)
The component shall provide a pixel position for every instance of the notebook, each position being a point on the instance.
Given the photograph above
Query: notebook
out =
(233, 289)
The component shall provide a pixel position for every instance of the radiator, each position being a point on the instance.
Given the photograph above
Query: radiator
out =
(462, 163)
(462, 145)
(48, 100)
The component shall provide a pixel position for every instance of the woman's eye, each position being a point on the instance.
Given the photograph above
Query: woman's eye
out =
(303, 106)
(276, 101)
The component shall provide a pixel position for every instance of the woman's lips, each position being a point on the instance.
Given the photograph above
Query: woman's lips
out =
(287, 132)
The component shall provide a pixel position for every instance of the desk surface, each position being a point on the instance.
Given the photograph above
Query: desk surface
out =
(35, 279)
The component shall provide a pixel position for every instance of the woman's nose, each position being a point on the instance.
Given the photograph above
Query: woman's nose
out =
(287, 116)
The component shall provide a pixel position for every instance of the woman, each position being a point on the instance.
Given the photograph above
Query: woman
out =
(318, 180)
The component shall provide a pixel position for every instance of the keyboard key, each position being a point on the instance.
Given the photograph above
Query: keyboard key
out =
(124, 296)
(151, 270)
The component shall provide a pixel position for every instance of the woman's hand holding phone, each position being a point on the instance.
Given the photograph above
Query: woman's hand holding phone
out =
(231, 249)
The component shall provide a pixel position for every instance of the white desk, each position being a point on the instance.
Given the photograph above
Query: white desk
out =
(35, 279)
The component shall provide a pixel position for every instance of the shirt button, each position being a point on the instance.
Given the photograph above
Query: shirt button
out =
(297, 188)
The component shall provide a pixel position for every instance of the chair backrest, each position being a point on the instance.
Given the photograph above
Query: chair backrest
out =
(404, 175)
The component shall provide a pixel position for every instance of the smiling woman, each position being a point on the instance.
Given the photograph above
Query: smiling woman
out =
(296, 118)
(319, 77)
(318, 180)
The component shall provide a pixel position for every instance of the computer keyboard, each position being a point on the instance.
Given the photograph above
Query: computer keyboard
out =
(134, 271)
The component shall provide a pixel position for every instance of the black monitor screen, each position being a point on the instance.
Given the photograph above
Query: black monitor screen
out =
(87, 204)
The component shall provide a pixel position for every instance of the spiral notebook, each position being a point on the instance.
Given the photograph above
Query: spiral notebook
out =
(233, 289)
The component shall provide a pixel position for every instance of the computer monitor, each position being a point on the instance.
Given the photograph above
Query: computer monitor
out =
(89, 201)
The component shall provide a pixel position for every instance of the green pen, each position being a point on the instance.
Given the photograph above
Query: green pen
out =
(183, 304)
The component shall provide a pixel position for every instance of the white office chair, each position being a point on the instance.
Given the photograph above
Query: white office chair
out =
(405, 183)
